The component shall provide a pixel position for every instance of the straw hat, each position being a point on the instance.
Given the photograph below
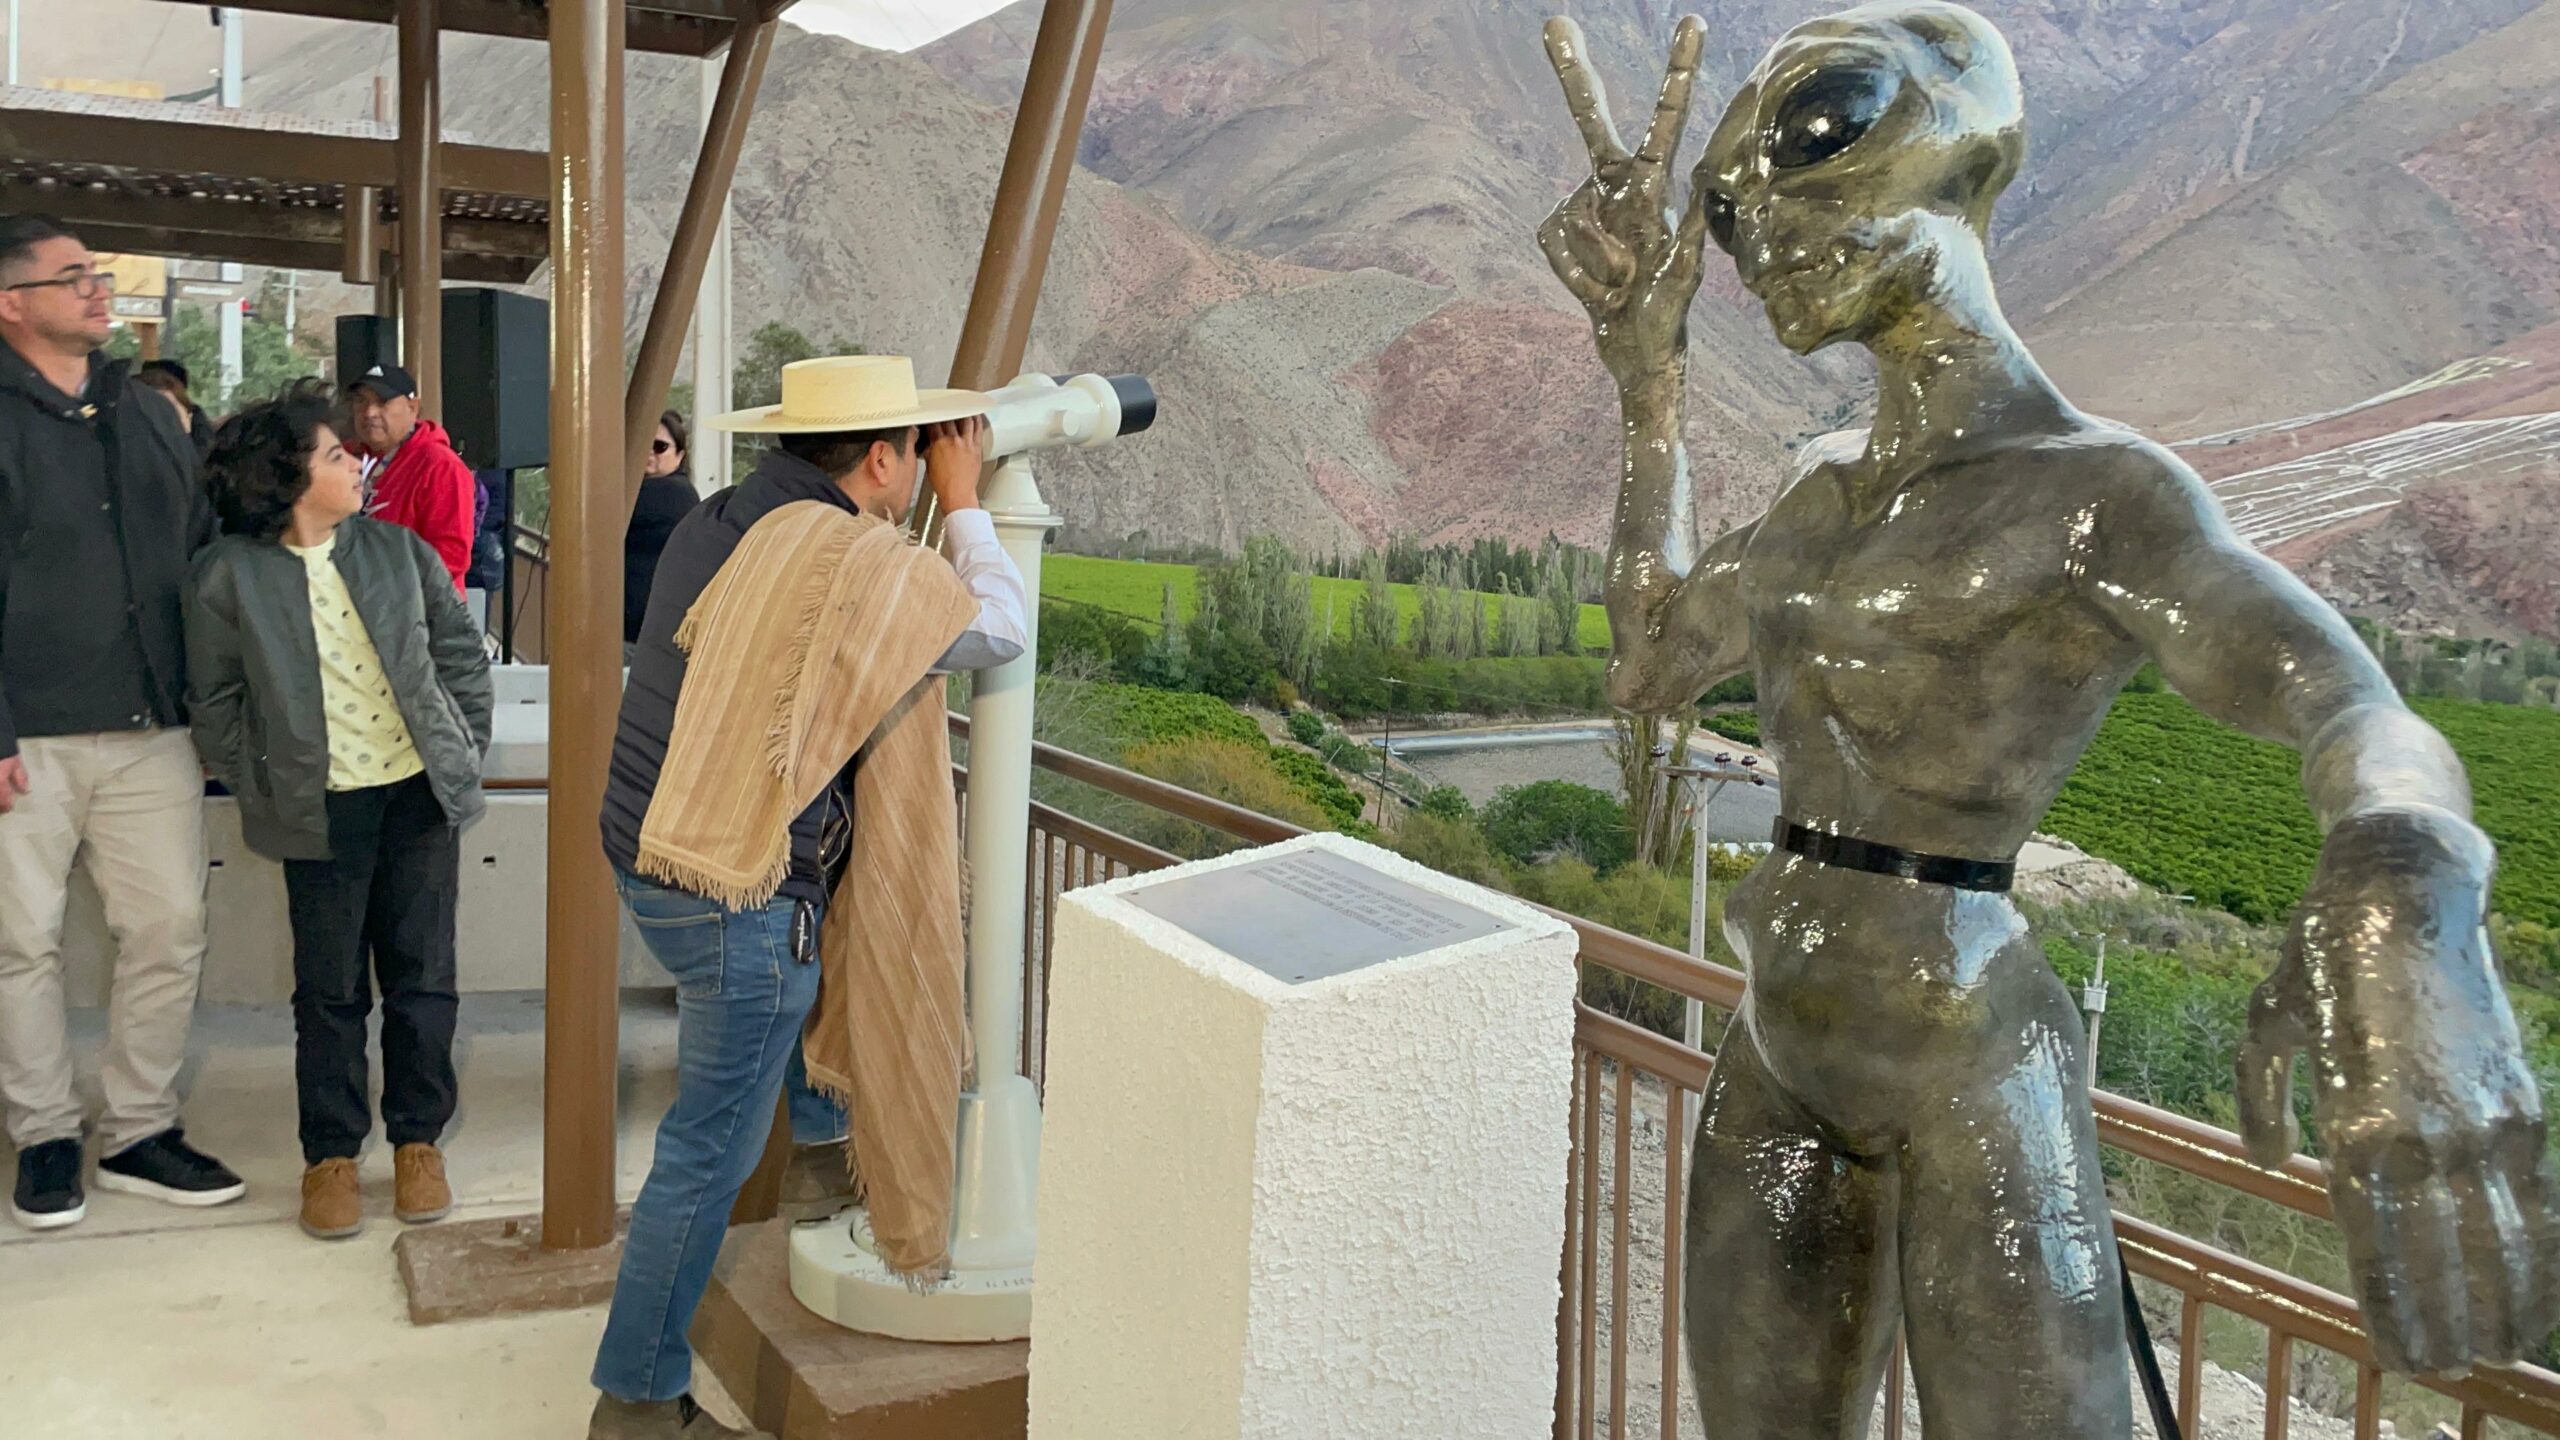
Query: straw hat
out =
(851, 392)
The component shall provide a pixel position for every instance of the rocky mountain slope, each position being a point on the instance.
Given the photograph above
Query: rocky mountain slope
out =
(1310, 220)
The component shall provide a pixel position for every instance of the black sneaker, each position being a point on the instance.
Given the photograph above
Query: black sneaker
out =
(48, 1195)
(165, 1167)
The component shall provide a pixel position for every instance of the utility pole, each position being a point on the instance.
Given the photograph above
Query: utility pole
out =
(231, 311)
(13, 42)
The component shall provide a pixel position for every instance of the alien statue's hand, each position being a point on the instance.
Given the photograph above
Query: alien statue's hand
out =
(1614, 241)
(2434, 1132)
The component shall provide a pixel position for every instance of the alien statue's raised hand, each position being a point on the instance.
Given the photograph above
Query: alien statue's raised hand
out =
(1615, 241)
(1939, 611)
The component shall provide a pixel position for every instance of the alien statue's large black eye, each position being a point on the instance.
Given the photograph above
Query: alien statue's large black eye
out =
(1826, 114)
(1721, 219)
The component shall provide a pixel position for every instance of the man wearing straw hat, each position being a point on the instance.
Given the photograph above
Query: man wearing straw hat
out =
(794, 600)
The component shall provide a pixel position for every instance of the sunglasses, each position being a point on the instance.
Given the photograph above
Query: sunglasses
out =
(661, 447)
(87, 285)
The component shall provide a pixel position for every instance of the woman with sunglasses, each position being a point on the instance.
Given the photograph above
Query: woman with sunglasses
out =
(666, 496)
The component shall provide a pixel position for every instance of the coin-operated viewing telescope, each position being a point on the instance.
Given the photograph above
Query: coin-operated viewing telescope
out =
(1046, 412)
(834, 1270)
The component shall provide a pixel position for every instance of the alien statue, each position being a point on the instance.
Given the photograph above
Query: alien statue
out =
(1938, 613)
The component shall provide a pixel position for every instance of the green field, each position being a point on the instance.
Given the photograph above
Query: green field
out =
(2198, 808)
(1135, 588)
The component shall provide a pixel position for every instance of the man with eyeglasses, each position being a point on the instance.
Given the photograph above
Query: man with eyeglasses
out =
(100, 515)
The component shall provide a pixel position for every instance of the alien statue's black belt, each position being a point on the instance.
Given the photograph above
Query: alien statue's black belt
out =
(1851, 853)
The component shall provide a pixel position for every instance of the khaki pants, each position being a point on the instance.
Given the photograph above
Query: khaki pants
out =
(129, 808)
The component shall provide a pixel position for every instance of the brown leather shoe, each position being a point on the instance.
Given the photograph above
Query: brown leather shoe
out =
(418, 1191)
(817, 1183)
(332, 1201)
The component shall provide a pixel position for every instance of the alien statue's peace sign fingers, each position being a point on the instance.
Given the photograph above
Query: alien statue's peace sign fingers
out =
(1578, 250)
(1583, 94)
(1671, 111)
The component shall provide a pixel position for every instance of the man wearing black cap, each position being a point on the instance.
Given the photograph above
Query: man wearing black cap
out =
(416, 479)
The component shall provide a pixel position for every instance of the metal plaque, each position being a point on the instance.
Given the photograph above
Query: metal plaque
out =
(1309, 914)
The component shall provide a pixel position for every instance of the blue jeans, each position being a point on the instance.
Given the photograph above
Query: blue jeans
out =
(741, 996)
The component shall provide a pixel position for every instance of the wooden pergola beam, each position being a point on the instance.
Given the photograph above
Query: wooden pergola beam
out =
(300, 224)
(671, 27)
(167, 147)
(278, 252)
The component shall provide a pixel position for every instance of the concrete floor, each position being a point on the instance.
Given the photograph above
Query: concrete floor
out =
(157, 1323)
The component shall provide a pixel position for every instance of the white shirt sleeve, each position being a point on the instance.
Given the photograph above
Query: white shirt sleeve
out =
(1002, 630)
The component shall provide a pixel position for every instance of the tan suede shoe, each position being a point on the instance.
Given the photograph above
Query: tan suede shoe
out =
(418, 1191)
(332, 1201)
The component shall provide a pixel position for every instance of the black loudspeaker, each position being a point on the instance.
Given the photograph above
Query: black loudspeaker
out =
(365, 341)
(497, 378)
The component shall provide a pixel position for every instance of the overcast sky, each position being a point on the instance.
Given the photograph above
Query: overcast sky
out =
(890, 24)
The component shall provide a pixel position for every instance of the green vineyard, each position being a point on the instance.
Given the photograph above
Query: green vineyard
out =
(2198, 808)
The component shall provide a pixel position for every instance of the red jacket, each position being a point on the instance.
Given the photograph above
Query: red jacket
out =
(426, 487)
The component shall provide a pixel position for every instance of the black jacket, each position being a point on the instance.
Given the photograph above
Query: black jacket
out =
(100, 513)
(700, 545)
(664, 500)
(256, 692)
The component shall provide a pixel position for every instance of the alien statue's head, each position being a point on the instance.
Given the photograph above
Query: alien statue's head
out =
(1852, 177)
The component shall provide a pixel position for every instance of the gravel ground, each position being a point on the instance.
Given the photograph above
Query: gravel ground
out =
(2234, 1406)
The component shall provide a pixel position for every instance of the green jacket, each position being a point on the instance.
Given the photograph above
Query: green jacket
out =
(253, 677)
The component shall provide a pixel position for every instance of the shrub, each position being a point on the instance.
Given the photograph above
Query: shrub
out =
(1319, 785)
(1447, 802)
(1140, 715)
(1232, 664)
(1739, 725)
(1548, 817)
(1240, 772)
(1113, 642)
(1305, 728)
(1344, 753)
(1452, 847)
(1742, 689)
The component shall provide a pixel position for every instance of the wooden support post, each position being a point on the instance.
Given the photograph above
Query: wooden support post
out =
(589, 505)
(697, 225)
(421, 147)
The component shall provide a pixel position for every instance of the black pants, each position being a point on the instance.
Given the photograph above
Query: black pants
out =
(387, 895)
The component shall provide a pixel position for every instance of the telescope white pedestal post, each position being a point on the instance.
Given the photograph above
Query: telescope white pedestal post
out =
(1307, 1112)
(988, 1297)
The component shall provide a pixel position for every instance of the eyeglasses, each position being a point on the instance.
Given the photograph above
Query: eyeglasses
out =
(88, 284)
(661, 447)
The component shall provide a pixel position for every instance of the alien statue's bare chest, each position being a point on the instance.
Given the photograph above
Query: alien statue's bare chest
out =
(1944, 576)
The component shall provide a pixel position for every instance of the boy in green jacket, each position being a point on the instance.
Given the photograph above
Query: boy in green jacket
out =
(338, 689)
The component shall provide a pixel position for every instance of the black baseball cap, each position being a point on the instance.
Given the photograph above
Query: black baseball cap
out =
(387, 382)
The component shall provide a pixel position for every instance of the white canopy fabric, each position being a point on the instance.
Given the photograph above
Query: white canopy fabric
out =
(890, 24)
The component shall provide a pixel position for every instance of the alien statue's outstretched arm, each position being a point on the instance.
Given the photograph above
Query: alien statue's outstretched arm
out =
(2425, 1104)
(1675, 619)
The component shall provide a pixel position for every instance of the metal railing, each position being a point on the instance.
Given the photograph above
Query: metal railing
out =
(1620, 1069)
(1621, 1369)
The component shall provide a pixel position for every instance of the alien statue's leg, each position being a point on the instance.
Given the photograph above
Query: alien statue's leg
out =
(2010, 1291)
(1790, 1282)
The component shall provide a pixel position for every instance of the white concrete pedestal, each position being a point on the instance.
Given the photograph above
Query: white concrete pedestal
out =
(1304, 1134)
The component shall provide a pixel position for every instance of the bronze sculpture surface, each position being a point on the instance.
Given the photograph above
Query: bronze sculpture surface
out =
(1939, 612)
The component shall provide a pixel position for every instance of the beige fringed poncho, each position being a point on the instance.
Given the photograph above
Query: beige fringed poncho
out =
(814, 641)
